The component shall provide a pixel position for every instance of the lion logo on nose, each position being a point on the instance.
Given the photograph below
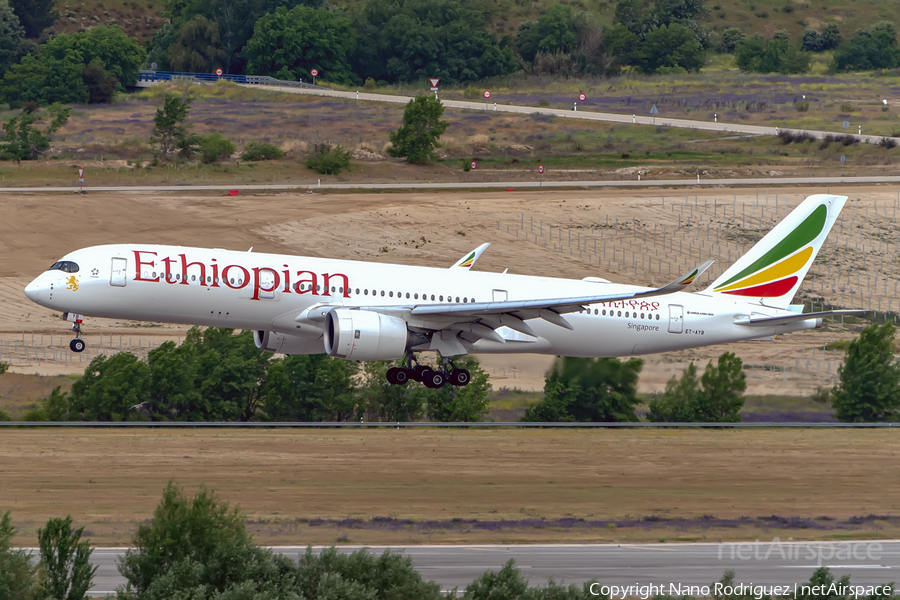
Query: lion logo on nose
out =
(72, 283)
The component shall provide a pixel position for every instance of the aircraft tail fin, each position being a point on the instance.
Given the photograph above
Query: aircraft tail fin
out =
(469, 259)
(775, 267)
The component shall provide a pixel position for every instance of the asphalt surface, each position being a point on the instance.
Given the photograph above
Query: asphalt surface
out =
(770, 563)
(494, 185)
(492, 106)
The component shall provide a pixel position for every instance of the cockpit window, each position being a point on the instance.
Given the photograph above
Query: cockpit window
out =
(66, 266)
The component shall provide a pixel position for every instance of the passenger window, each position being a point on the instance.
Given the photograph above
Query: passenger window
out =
(382, 292)
(441, 298)
(416, 296)
(620, 313)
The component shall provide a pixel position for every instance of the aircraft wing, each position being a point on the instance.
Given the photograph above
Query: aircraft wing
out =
(775, 321)
(557, 305)
(469, 259)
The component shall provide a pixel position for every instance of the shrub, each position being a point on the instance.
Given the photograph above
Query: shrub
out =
(827, 141)
(802, 105)
(327, 159)
(215, 147)
(256, 151)
(544, 102)
(848, 140)
(370, 84)
(888, 143)
(846, 107)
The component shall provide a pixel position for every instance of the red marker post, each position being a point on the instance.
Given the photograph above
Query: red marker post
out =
(541, 171)
(314, 73)
(487, 96)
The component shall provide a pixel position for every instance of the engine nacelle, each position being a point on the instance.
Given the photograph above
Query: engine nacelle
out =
(365, 335)
(280, 343)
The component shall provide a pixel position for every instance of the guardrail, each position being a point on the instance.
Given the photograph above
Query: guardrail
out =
(161, 76)
(414, 424)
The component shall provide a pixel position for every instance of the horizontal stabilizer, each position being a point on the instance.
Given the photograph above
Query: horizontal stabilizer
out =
(774, 321)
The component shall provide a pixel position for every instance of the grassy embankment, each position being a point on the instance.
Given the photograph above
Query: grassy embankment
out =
(520, 486)
(112, 141)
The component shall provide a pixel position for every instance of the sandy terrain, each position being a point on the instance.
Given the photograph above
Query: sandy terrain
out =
(110, 481)
(603, 233)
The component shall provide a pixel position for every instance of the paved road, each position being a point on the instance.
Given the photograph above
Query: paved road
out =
(868, 563)
(421, 185)
(571, 114)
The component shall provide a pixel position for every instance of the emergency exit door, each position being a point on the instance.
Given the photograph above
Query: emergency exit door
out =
(676, 318)
(117, 275)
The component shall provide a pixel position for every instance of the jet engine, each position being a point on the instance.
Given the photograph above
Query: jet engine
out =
(365, 335)
(280, 343)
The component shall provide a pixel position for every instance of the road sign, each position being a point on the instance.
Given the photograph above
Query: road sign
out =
(434, 82)
(80, 173)
(843, 158)
(486, 94)
(473, 165)
(541, 169)
(153, 65)
(314, 72)
(219, 72)
(845, 124)
(582, 97)
(654, 110)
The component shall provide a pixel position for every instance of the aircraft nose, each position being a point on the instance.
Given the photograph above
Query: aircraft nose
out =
(37, 290)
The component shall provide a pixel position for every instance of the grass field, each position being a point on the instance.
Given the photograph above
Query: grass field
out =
(405, 486)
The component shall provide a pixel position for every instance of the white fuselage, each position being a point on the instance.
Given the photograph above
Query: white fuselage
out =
(256, 291)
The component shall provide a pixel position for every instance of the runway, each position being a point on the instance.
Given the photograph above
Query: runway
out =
(769, 563)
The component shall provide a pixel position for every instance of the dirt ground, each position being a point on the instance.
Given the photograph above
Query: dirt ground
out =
(566, 233)
(110, 480)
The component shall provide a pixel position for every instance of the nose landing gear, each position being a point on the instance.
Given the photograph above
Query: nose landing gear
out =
(78, 344)
(430, 378)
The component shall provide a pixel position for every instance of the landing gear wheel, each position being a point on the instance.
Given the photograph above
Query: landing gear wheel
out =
(77, 345)
(434, 380)
(459, 377)
(401, 376)
(418, 372)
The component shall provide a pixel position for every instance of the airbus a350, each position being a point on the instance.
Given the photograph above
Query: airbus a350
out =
(365, 311)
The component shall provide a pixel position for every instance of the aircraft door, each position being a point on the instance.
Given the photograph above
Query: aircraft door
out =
(676, 318)
(266, 282)
(500, 295)
(117, 275)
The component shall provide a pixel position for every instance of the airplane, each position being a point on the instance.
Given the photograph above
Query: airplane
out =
(361, 311)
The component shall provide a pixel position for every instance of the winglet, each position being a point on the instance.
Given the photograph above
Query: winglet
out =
(684, 281)
(469, 259)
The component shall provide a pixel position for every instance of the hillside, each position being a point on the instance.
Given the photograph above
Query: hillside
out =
(141, 18)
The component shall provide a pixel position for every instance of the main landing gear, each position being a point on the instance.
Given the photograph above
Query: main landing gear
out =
(76, 345)
(429, 377)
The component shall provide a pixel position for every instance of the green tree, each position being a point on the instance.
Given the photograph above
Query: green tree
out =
(326, 159)
(313, 387)
(641, 16)
(35, 15)
(759, 55)
(56, 405)
(169, 127)
(196, 47)
(588, 389)
(872, 48)
(509, 584)
(289, 43)
(678, 403)
(198, 547)
(422, 127)
(256, 151)
(361, 575)
(66, 560)
(831, 36)
(554, 31)
(468, 403)
(11, 34)
(45, 80)
(23, 141)
(380, 400)
(110, 387)
(101, 85)
(18, 577)
(669, 46)
(869, 380)
(731, 37)
(109, 46)
(716, 398)
(410, 40)
(215, 147)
